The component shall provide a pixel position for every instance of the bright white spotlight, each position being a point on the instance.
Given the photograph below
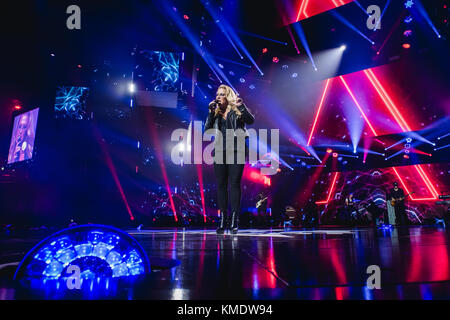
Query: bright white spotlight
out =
(131, 87)
(343, 47)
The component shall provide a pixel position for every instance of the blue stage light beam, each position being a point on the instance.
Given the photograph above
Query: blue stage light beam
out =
(301, 35)
(395, 154)
(424, 13)
(350, 25)
(443, 147)
(442, 137)
(290, 129)
(233, 62)
(418, 137)
(195, 42)
(370, 151)
(229, 32)
(201, 91)
(348, 156)
(395, 144)
(359, 5)
(355, 123)
(382, 13)
(261, 37)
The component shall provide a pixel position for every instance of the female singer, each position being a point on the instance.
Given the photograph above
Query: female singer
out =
(228, 112)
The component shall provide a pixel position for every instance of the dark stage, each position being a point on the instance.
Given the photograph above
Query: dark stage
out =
(323, 263)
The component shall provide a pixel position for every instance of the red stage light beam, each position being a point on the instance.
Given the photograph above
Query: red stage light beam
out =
(318, 111)
(200, 184)
(112, 169)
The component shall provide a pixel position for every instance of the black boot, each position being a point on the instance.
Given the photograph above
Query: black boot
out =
(234, 222)
(222, 225)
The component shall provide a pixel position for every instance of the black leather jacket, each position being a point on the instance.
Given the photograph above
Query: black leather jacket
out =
(237, 122)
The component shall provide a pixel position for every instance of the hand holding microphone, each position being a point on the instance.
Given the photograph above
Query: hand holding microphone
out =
(213, 105)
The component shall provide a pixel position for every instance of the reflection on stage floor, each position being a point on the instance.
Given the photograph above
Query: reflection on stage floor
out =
(322, 263)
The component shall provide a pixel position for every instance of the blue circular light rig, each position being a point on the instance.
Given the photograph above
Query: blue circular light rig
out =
(100, 253)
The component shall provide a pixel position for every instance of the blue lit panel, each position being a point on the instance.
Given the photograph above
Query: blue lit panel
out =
(158, 71)
(71, 103)
(100, 252)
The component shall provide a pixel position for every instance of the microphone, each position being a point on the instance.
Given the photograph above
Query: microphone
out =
(213, 104)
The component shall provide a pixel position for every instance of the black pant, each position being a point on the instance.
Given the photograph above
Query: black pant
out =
(233, 172)
(400, 214)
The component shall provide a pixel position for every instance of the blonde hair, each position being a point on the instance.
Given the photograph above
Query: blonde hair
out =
(231, 98)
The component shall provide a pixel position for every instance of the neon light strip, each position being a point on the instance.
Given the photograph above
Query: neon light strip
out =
(359, 107)
(401, 122)
(302, 7)
(427, 181)
(407, 191)
(318, 111)
(334, 2)
(387, 100)
(330, 191)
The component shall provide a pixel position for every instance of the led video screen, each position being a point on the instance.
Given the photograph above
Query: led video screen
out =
(23, 136)
(71, 103)
(421, 183)
(157, 71)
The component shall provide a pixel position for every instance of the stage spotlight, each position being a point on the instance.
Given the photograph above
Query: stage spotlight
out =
(406, 45)
(264, 50)
(242, 80)
(97, 252)
(294, 75)
(17, 107)
(251, 87)
(275, 59)
(185, 17)
(131, 87)
(220, 66)
(408, 19)
(343, 47)
(329, 150)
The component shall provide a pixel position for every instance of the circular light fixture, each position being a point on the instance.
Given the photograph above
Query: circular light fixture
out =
(97, 251)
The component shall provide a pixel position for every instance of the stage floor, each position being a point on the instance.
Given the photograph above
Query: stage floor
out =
(322, 263)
